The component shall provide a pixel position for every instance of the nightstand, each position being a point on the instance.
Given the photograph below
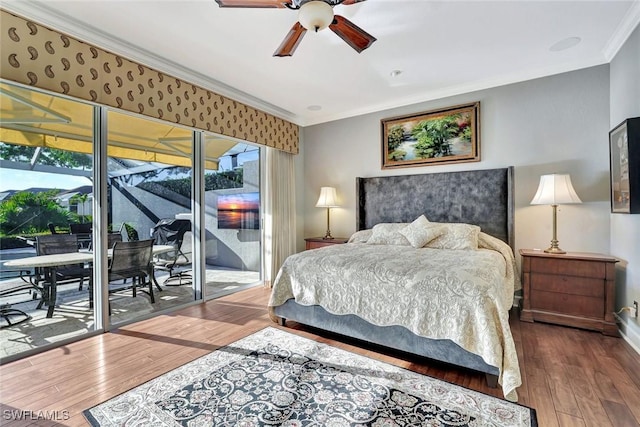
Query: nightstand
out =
(318, 242)
(573, 289)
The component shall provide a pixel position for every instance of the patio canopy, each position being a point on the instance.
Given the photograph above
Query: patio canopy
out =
(35, 119)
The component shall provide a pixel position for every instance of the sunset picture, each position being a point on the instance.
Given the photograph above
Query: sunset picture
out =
(239, 211)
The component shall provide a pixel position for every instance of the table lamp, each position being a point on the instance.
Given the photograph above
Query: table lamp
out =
(554, 190)
(327, 200)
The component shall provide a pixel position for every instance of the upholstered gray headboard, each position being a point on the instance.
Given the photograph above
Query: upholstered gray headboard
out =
(481, 197)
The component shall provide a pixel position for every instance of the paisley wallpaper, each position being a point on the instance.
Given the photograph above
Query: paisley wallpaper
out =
(38, 56)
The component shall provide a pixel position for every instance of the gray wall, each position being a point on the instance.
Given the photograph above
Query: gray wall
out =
(125, 211)
(553, 124)
(625, 229)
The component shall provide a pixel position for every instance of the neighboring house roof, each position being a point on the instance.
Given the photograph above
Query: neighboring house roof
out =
(67, 195)
(84, 189)
(6, 194)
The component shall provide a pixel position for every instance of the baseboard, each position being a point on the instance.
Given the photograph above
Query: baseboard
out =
(631, 337)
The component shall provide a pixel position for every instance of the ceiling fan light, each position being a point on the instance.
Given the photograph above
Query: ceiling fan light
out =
(315, 15)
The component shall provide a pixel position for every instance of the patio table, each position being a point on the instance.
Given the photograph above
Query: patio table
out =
(49, 263)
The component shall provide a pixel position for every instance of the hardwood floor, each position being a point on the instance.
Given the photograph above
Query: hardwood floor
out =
(570, 376)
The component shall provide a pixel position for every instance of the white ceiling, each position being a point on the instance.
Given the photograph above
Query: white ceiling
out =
(443, 48)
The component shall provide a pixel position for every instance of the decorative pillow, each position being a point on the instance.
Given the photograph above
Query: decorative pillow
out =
(388, 234)
(360, 236)
(456, 236)
(421, 231)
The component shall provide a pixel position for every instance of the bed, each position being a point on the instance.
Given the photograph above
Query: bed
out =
(362, 290)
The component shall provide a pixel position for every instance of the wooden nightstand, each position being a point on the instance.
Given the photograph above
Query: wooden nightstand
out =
(573, 289)
(318, 242)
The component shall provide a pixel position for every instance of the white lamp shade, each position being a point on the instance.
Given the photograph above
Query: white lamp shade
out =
(327, 198)
(555, 189)
(315, 15)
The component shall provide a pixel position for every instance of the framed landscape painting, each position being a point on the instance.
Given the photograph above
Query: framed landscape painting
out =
(449, 135)
(624, 156)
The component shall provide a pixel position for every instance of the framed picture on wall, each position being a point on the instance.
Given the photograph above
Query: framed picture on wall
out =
(624, 156)
(448, 135)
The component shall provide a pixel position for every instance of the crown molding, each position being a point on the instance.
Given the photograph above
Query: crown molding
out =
(44, 15)
(622, 33)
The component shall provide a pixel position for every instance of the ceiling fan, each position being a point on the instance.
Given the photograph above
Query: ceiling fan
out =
(313, 15)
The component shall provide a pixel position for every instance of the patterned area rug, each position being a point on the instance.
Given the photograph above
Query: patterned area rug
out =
(275, 378)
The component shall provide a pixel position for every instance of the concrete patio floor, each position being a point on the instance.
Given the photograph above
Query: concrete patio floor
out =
(73, 317)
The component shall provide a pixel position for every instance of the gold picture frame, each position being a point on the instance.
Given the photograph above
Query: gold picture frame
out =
(444, 136)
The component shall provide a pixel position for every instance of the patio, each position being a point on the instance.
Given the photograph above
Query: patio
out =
(73, 317)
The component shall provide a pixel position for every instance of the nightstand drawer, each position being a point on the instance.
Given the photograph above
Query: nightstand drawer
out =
(568, 285)
(569, 267)
(577, 305)
(316, 245)
(319, 242)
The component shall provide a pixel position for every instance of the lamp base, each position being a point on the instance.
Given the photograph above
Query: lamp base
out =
(327, 235)
(554, 250)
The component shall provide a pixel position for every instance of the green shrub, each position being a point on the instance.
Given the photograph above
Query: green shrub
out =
(26, 212)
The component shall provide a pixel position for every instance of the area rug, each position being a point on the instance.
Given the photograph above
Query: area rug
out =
(276, 378)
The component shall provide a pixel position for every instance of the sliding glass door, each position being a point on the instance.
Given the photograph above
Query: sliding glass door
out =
(149, 197)
(46, 193)
(232, 218)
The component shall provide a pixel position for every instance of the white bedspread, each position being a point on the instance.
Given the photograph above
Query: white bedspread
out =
(460, 295)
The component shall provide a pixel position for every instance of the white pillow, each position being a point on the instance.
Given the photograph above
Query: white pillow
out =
(387, 233)
(456, 236)
(421, 231)
(360, 236)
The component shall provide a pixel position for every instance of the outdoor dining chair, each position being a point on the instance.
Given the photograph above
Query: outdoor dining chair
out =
(132, 260)
(84, 233)
(53, 244)
(129, 260)
(112, 238)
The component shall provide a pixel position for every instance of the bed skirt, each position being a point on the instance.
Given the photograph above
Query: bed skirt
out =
(394, 337)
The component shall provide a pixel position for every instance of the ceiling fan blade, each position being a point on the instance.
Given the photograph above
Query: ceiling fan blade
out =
(254, 3)
(291, 41)
(347, 2)
(355, 36)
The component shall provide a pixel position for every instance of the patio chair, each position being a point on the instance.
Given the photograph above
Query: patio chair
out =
(57, 229)
(7, 312)
(84, 233)
(58, 244)
(112, 238)
(175, 232)
(132, 260)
